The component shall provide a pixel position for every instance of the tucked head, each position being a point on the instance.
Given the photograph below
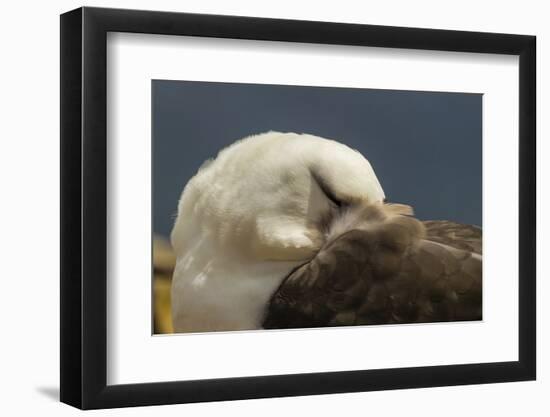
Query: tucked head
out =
(265, 195)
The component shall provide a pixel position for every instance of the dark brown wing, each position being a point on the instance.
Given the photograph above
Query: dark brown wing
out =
(380, 275)
(456, 235)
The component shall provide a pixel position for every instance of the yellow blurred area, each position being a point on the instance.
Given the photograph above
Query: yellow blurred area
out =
(164, 261)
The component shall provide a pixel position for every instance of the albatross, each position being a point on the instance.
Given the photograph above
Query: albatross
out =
(286, 230)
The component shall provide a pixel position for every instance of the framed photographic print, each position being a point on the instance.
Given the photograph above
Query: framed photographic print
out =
(258, 208)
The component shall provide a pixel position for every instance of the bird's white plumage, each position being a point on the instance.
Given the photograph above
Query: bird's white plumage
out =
(250, 216)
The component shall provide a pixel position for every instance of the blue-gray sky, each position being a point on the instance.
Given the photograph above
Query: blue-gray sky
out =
(425, 147)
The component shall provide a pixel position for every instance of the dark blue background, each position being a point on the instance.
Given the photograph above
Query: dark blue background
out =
(425, 147)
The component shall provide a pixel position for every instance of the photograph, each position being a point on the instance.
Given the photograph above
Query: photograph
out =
(294, 207)
(260, 206)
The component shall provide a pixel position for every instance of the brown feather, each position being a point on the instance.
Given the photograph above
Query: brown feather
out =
(389, 268)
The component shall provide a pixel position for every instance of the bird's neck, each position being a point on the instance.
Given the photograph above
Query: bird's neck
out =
(215, 289)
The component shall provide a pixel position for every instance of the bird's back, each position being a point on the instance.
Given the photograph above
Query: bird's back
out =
(393, 269)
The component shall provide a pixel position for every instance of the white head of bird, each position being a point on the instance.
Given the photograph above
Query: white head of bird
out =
(250, 216)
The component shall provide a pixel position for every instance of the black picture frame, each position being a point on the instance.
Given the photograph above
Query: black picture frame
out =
(84, 207)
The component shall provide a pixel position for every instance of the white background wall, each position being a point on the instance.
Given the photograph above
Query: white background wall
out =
(29, 159)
